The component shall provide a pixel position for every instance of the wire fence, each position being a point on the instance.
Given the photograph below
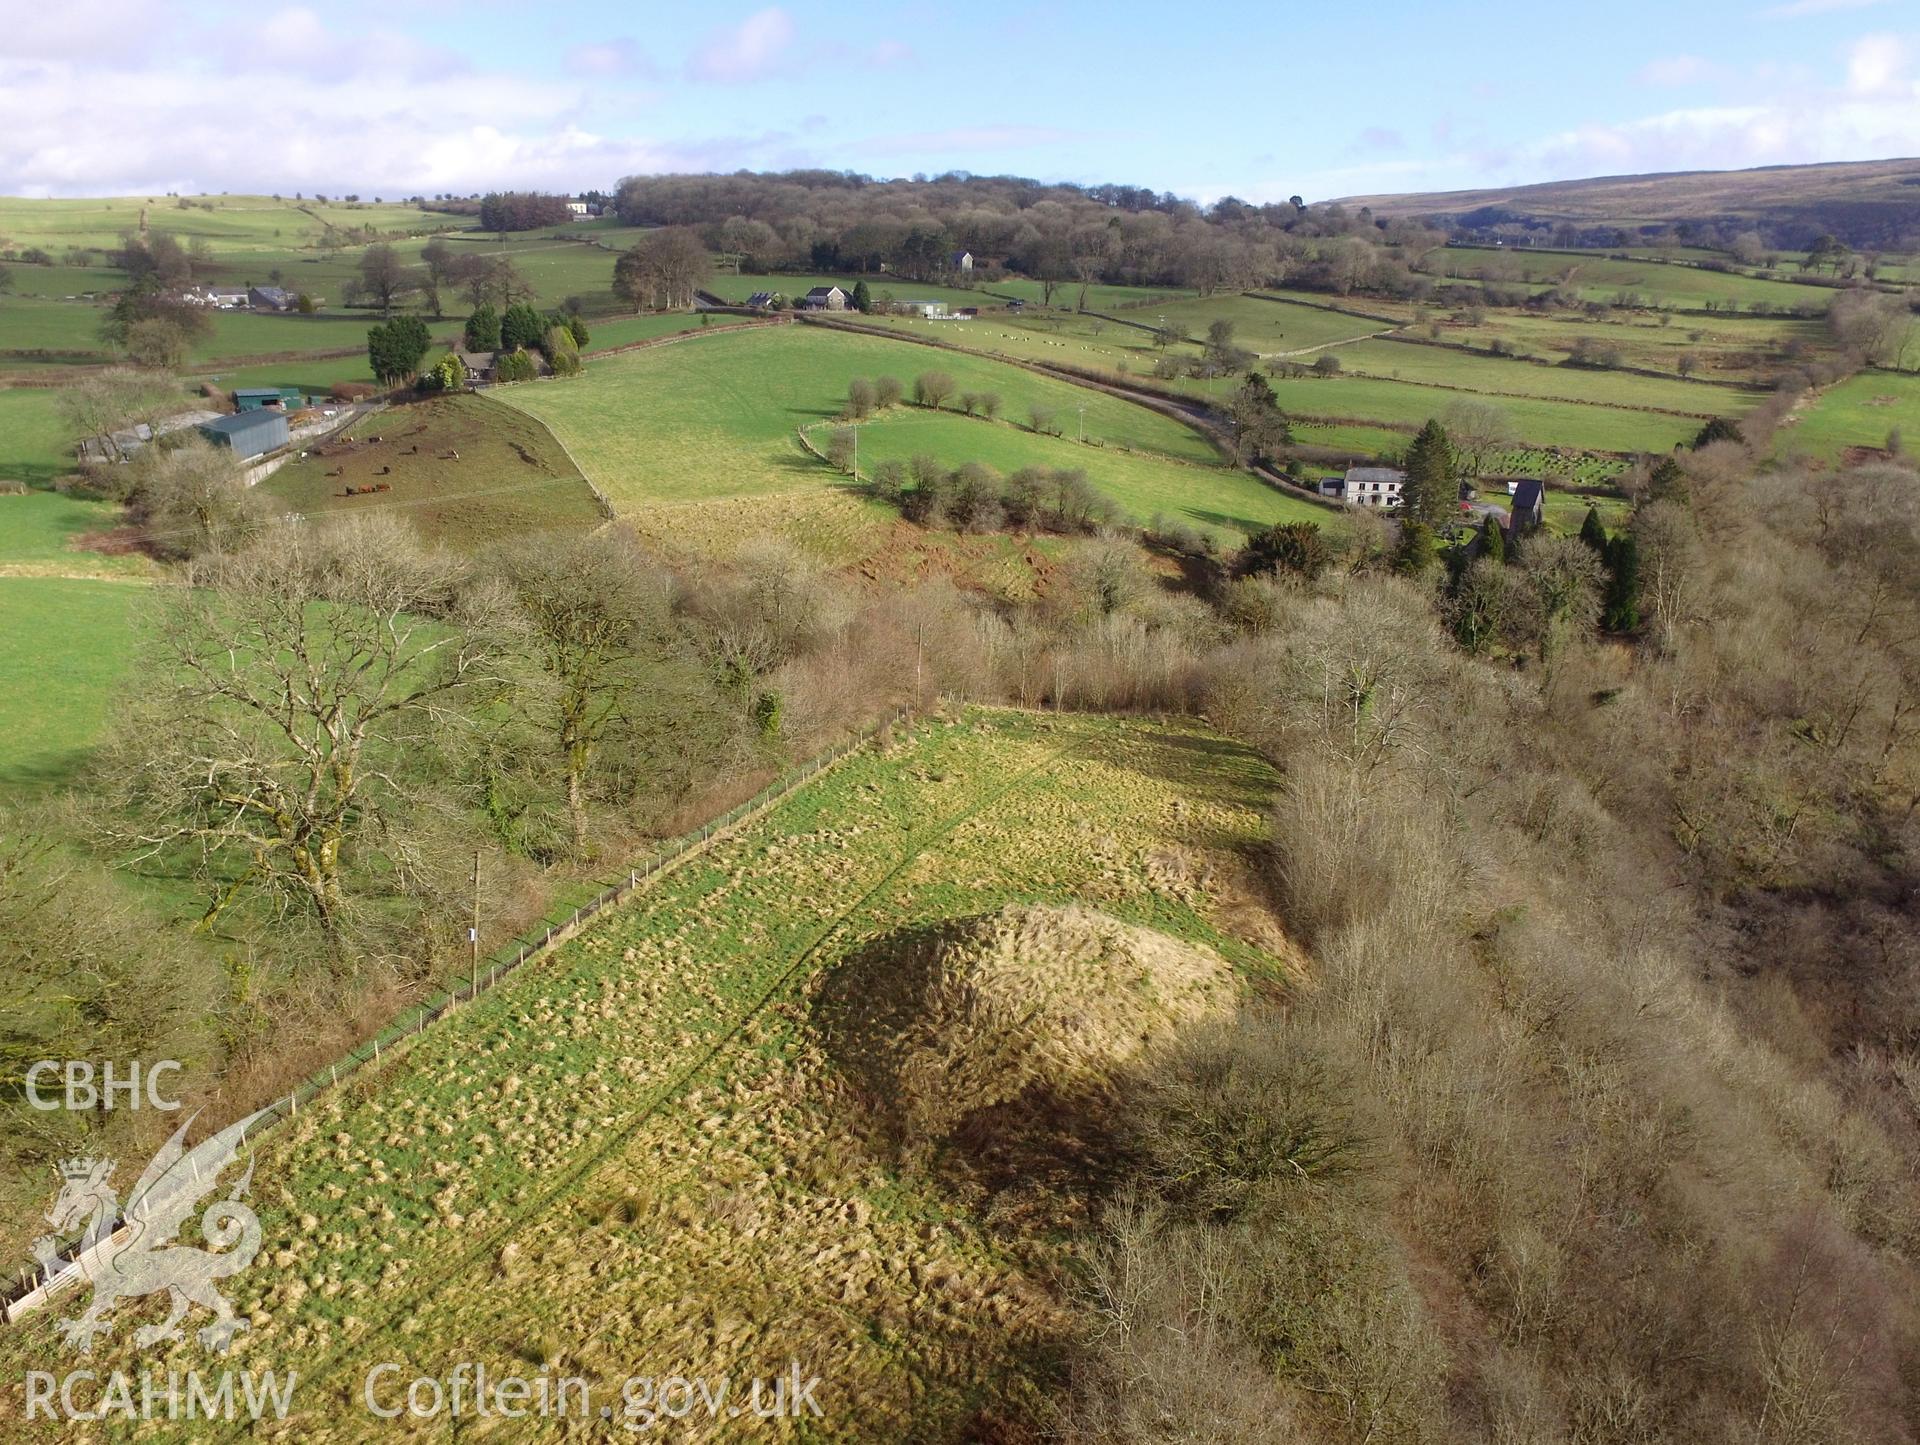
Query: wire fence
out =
(34, 1286)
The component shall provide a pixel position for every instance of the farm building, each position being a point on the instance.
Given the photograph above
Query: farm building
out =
(1529, 506)
(219, 300)
(825, 298)
(248, 433)
(252, 398)
(763, 300)
(1372, 486)
(479, 364)
(931, 310)
(578, 209)
(960, 261)
(270, 298)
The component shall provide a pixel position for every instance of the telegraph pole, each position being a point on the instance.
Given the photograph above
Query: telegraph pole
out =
(473, 928)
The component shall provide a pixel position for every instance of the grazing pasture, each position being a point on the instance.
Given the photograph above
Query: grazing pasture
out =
(463, 469)
(66, 645)
(718, 416)
(1501, 377)
(1538, 421)
(1598, 277)
(43, 533)
(1858, 412)
(34, 445)
(1725, 348)
(1226, 503)
(653, 1145)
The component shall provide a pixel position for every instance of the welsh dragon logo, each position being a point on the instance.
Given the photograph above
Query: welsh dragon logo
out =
(140, 1256)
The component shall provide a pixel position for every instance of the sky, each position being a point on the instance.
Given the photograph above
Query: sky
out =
(1207, 98)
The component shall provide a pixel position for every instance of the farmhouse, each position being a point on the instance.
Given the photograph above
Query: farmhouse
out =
(578, 209)
(248, 434)
(763, 300)
(220, 300)
(479, 364)
(960, 261)
(269, 298)
(824, 298)
(1529, 506)
(1372, 486)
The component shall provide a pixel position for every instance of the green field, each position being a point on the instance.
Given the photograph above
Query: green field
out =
(717, 417)
(1227, 503)
(1541, 422)
(1598, 277)
(509, 478)
(641, 1147)
(39, 530)
(1859, 412)
(1500, 377)
(1270, 328)
(233, 223)
(34, 446)
(605, 334)
(66, 645)
(1734, 348)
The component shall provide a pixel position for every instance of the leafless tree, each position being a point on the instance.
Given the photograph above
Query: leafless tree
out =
(292, 692)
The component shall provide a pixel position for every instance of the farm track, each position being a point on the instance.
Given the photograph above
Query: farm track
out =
(471, 1263)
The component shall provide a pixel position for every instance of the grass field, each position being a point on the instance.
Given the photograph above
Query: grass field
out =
(39, 533)
(642, 1151)
(1502, 377)
(66, 645)
(1600, 278)
(1859, 412)
(717, 416)
(1733, 348)
(34, 446)
(1541, 422)
(1227, 503)
(509, 477)
(606, 334)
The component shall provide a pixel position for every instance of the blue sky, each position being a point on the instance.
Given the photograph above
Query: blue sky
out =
(1259, 100)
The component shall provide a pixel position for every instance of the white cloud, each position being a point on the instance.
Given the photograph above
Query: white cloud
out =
(333, 132)
(1876, 64)
(758, 47)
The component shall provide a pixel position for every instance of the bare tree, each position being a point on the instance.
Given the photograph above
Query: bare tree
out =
(663, 269)
(384, 278)
(292, 690)
(1479, 430)
(598, 630)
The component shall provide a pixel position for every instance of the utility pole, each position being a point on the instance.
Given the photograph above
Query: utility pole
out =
(1083, 424)
(473, 928)
(855, 429)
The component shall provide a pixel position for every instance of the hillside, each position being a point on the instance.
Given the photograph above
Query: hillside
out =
(1865, 203)
(648, 1161)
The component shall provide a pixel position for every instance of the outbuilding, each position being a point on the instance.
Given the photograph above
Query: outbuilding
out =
(1529, 508)
(248, 434)
(252, 398)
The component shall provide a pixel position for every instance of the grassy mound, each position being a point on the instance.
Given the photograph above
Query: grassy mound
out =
(946, 1023)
